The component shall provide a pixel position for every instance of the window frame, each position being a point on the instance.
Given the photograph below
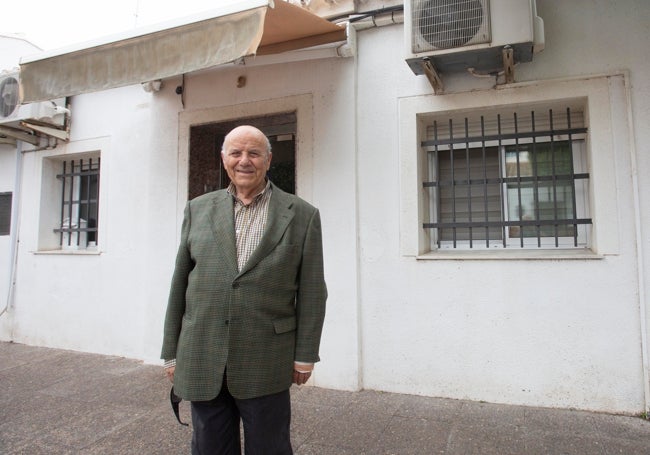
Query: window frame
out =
(483, 172)
(82, 176)
(606, 110)
(48, 241)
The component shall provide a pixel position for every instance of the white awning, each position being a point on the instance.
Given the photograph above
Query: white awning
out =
(173, 48)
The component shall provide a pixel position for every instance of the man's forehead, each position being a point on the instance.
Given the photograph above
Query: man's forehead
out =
(247, 132)
(241, 144)
(246, 140)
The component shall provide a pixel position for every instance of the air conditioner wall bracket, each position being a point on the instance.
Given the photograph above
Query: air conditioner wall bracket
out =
(507, 55)
(432, 75)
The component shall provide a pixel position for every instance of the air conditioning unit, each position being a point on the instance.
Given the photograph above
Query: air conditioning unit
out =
(456, 35)
(12, 113)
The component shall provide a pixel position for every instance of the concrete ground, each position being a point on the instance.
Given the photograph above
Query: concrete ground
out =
(62, 402)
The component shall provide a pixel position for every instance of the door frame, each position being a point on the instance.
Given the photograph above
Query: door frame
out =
(302, 105)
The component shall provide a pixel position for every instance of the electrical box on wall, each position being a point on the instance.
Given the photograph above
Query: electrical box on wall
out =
(460, 35)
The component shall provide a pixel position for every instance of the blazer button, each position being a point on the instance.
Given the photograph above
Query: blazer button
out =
(227, 322)
(235, 285)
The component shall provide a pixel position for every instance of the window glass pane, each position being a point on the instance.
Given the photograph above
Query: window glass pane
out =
(469, 193)
(80, 191)
(88, 191)
(549, 199)
(5, 213)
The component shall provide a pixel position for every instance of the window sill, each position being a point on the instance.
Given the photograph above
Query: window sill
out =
(86, 252)
(503, 254)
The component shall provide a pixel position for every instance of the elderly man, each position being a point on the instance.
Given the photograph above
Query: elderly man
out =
(246, 305)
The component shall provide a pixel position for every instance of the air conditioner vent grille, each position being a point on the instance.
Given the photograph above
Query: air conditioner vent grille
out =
(448, 24)
(8, 96)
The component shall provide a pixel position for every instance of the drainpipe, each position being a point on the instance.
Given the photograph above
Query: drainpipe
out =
(349, 49)
(15, 223)
(368, 20)
(377, 18)
(643, 303)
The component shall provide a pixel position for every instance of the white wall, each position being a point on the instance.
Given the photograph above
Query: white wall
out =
(93, 302)
(559, 333)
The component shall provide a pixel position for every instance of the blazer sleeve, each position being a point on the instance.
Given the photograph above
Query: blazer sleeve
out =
(312, 294)
(176, 302)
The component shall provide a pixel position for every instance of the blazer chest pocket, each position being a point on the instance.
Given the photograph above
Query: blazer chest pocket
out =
(284, 325)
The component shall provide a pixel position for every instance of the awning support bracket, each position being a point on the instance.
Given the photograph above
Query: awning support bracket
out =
(52, 132)
(19, 135)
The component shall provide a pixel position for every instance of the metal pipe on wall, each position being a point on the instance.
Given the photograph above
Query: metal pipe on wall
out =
(15, 223)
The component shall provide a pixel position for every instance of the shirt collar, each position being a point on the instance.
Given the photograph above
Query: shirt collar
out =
(233, 192)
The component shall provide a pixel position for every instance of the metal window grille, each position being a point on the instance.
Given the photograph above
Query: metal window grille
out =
(79, 203)
(5, 213)
(508, 181)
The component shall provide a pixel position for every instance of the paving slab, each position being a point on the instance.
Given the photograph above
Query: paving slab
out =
(63, 402)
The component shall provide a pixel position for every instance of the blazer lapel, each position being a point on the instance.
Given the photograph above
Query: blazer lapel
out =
(279, 217)
(222, 221)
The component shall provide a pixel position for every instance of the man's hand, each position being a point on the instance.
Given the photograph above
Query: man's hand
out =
(302, 372)
(169, 372)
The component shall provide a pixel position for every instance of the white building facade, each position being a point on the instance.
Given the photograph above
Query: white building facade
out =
(428, 293)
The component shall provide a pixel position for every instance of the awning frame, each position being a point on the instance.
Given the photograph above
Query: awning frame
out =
(181, 46)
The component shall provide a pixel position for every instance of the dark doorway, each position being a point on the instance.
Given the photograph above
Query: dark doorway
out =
(206, 172)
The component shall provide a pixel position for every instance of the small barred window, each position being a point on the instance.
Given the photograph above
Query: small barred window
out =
(515, 179)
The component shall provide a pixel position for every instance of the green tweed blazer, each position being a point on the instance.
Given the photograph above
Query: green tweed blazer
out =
(254, 322)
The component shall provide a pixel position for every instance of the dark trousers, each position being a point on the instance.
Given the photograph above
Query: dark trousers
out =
(266, 425)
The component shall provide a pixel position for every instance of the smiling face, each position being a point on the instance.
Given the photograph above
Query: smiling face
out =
(246, 157)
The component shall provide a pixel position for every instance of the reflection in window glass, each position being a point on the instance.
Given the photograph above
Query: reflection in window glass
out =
(551, 199)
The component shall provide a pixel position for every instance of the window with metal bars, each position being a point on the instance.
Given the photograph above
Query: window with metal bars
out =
(79, 203)
(508, 180)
